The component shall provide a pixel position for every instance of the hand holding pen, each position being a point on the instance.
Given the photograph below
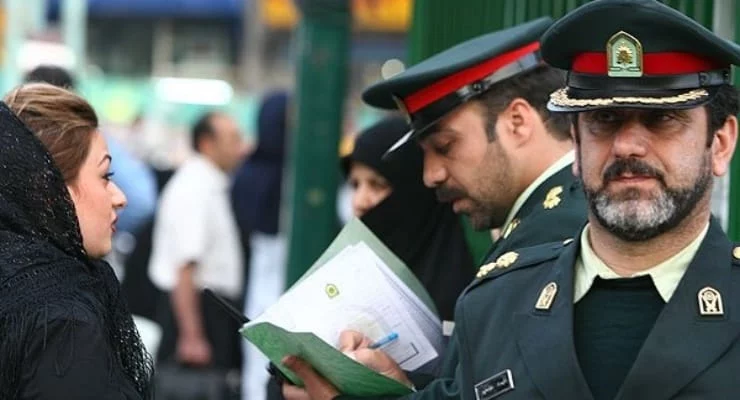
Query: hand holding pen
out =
(384, 341)
(360, 348)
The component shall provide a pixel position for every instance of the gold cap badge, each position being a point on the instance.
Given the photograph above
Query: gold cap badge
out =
(624, 56)
(710, 302)
(547, 296)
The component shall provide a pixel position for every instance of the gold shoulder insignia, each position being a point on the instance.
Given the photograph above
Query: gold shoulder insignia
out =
(736, 252)
(507, 259)
(552, 199)
(484, 270)
(522, 258)
(504, 261)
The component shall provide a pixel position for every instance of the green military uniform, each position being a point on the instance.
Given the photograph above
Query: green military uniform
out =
(525, 329)
(553, 208)
(510, 342)
(554, 211)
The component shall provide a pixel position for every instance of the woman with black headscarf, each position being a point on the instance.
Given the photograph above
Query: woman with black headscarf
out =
(66, 329)
(391, 199)
(256, 198)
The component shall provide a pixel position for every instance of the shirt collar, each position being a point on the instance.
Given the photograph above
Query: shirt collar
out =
(220, 178)
(568, 158)
(665, 275)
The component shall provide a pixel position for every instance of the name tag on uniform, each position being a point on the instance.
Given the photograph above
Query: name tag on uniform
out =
(494, 386)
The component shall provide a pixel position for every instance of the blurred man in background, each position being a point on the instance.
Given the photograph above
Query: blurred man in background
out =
(196, 245)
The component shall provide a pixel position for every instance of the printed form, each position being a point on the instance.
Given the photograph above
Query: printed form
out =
(355, 290)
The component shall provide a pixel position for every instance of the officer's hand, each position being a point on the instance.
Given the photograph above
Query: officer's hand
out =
(315, 386)
(353, 340)
(356, 346)
(380, 362)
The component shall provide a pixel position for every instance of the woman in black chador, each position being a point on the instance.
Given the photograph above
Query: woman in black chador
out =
(390, 197)
(66, 331)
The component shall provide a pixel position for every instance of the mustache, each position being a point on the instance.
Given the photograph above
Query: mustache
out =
(633, 166)
(448, 194)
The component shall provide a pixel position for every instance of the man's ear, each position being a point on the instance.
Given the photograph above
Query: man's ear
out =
(723, 146)
(521, 117)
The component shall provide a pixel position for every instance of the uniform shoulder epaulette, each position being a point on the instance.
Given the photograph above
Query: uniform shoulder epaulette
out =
(522, 258)
(736, 254)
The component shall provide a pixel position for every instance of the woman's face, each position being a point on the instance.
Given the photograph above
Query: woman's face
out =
(369, 188)
(96, 199)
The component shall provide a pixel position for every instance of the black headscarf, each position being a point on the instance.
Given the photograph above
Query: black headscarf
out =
(257, 185)
(44, 269)
(423, 232)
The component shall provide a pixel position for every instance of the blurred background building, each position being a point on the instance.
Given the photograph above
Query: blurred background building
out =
(153, 66)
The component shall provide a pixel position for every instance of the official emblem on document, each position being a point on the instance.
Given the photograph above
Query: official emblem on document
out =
(331, 290)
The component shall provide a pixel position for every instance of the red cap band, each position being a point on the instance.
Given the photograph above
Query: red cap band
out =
(442, 88)
(667, 63)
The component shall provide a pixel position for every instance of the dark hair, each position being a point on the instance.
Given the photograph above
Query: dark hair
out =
(62, 120)
(534, 87)
(203, 128)
(723, 105)
(51, 74)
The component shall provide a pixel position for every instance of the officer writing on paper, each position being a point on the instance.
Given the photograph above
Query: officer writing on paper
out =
(494, 151)
(644, 303)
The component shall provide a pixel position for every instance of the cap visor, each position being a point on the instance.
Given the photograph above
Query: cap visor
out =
(568, 100)
(400, 143)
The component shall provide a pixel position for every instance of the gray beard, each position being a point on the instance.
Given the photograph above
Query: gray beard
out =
(631, 219)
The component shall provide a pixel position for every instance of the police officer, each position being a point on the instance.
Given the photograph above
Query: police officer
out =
(491, 147)
(645, 302)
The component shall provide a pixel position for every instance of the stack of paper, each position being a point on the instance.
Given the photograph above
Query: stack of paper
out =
(358, 285)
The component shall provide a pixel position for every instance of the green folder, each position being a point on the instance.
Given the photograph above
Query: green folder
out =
(347, 375)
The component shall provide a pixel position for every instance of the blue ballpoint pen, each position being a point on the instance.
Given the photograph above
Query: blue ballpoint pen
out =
(384, 341)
